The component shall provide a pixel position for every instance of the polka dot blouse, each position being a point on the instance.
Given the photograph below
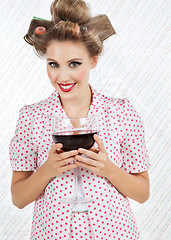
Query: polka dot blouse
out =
(122, 132)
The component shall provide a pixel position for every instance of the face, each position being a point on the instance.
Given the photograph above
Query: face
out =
(68, 67)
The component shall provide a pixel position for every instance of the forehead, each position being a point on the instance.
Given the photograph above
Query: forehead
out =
(66, 49)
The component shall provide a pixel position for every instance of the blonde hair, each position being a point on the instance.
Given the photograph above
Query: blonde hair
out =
(71, 20)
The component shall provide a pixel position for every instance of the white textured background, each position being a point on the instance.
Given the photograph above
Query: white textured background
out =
(135, 64)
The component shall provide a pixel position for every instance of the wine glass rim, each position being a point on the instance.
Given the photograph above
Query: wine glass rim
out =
(77, 129)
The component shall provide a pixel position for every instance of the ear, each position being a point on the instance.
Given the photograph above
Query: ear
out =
(94, 61)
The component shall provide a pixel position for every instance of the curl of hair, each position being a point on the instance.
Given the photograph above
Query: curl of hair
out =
(70, 10)
(71, 20)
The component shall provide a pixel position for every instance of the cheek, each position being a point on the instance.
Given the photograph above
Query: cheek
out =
(82, 75)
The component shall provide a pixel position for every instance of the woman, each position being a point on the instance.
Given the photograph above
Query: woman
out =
(112, 172)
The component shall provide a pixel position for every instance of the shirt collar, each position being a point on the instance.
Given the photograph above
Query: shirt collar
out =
(55, 107)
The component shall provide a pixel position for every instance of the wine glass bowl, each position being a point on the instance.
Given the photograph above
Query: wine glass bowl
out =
(72, 140)
(74, 133)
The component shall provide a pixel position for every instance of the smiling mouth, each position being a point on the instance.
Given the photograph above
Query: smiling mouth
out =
(66, 87)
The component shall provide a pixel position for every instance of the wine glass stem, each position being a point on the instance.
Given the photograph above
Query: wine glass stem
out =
(76, 181)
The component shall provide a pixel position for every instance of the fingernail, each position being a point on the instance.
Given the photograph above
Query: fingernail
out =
(60, 144)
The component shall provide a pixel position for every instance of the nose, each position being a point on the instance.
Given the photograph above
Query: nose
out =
(63, 75)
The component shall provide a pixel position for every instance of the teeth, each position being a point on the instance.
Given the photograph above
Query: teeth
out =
(67, 87)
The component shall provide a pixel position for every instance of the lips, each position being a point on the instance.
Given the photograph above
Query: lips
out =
(66, 87)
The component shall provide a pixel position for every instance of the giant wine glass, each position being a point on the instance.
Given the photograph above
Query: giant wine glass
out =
(75, 133)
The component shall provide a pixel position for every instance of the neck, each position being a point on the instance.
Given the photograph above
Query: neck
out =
(79, 106)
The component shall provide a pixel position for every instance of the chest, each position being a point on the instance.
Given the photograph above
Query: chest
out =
(111, 133)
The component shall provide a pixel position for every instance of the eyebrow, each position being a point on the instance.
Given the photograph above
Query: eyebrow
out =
(74, 59)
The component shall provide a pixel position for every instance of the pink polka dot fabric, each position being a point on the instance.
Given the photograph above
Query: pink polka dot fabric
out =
(80, 227)
(110, 214)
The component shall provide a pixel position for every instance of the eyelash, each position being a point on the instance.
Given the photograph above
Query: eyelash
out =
(55, 65)
(78, 63)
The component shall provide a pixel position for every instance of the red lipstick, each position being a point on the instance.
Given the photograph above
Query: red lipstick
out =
(66, 87)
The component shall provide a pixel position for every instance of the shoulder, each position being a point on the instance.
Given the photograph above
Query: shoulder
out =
(112, 102)
(126, 109)
(123, 104)
(44, 106)
(122, 107)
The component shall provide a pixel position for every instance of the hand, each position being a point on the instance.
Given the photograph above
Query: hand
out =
(97, 161)
(59, 161)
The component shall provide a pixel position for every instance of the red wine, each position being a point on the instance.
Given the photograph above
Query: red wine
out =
(75, 139)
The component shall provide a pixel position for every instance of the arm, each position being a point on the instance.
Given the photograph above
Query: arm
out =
(134, 156)
(26, 187)
(133, 185)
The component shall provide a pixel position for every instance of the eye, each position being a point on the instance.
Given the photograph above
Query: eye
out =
(53, 64)
(75, 64)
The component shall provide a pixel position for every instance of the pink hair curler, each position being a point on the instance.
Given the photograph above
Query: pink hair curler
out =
(76, 31)
(40, 30)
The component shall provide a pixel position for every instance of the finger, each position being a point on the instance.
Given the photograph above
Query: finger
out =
(93, 149)
(55, 147)
(89, 161)
(90, 167)
(68, 167)
(88, 153)
(58, 151)
(58, 146)
(67, 154)
(99, 143)
(63, 162)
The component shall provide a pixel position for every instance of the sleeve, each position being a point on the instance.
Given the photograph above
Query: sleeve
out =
(22, 150)
(133, 148)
